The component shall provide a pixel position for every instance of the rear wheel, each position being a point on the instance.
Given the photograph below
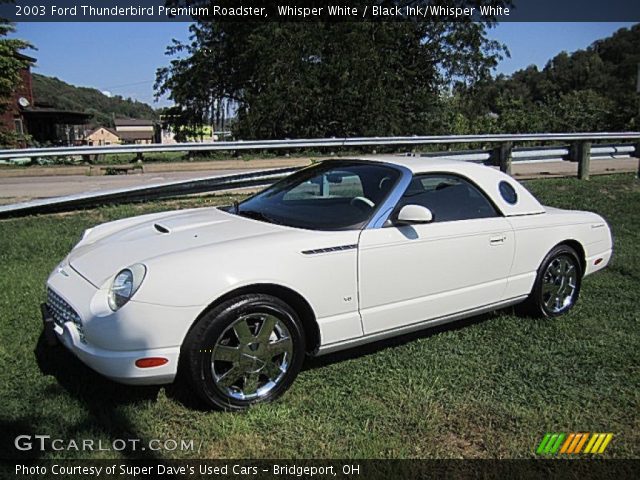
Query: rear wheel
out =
(557, 285)
(245, 351)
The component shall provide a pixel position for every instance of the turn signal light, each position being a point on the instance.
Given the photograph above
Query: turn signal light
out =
(598, 261)
(151, 362)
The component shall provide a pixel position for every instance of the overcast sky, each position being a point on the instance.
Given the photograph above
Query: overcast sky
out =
(122, 57)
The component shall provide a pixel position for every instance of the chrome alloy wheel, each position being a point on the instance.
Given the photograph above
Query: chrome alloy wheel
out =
(559, 284)
(251, 356)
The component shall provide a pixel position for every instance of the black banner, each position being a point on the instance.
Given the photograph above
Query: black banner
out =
(326, 11)
(321, 469)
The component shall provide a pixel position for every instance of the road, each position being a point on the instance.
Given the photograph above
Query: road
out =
(19, 185)
(570, 169)
(22, 188)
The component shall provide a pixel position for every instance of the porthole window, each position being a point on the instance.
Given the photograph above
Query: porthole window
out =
(508, 193)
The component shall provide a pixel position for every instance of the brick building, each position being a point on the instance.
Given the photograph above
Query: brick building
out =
(45, 124)
(12, 119)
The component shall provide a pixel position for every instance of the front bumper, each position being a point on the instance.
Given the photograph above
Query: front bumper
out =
(603, 258)
(108, 342)
(118, 366)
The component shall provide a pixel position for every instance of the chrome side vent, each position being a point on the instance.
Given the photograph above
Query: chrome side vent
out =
(160, 228)
(339, 248)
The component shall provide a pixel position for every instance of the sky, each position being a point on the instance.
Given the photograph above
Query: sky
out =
(122, 57)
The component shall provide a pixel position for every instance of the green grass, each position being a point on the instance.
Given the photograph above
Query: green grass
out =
(486, 387)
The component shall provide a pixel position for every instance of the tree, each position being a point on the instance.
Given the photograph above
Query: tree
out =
(318, 79)
(588, 90)
(11, 64)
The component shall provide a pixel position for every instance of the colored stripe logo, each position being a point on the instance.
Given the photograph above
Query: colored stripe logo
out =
(574, 443)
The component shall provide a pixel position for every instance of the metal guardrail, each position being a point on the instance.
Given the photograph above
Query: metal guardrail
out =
(580, 150)
(537, 154)
(319, 143)
(147, 192)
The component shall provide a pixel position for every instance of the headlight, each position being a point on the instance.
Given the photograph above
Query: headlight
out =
(125, 285)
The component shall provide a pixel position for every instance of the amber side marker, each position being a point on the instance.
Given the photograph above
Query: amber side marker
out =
(151, 362)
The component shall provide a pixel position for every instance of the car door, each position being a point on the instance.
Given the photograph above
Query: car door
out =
(458, 262)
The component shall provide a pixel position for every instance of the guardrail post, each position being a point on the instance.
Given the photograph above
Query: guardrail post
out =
(583, 153)
(637, 154)
(573, 151)
(139, 157)
(503, 155)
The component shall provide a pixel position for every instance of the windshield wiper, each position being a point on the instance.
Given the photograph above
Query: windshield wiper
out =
(256, 215)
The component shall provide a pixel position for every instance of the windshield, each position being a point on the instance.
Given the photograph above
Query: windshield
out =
(334, 195)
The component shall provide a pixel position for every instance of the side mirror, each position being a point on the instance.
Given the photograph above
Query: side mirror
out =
(410, 214)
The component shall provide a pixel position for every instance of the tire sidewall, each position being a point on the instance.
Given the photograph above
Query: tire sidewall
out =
(561, 250)
(214, 323)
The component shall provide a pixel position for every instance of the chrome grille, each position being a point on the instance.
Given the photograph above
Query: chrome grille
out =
(62, 312)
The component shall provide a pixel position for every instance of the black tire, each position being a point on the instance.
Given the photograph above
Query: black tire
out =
(216, 335)
(549, 298)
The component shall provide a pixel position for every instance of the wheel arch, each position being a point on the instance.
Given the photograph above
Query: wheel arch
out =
(577, 246)
(292, 298)
(531, 305)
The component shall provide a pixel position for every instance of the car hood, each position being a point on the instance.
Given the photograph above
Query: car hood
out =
(109, 248)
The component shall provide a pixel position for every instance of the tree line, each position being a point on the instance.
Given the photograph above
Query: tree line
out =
(594, 89)
(323, 79)
(315, 79)
(103, 109)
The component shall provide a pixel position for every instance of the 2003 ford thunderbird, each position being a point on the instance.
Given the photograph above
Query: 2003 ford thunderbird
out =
(337, 254)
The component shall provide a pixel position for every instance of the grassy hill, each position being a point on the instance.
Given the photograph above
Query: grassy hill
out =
(58, 94)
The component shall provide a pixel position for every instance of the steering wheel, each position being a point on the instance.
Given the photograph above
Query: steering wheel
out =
(361, 201)
(383, 182)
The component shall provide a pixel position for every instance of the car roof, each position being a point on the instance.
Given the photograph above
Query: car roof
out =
(486, 177)
(419, 164)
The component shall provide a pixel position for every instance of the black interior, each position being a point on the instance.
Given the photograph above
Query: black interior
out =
(451, 199)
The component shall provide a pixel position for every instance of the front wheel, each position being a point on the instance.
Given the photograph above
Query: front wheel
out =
(245, 351)
(557, 285)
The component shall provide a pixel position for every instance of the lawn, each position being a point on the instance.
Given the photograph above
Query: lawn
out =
(487, 387)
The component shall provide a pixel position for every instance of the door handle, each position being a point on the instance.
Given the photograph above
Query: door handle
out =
(497, 240)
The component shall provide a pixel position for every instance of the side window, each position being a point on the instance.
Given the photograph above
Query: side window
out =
(449, 198)
(333, 184)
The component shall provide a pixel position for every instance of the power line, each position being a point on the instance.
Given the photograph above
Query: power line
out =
(126, 85)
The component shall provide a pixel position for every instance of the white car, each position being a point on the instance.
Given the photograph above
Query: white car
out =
(338, 254)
